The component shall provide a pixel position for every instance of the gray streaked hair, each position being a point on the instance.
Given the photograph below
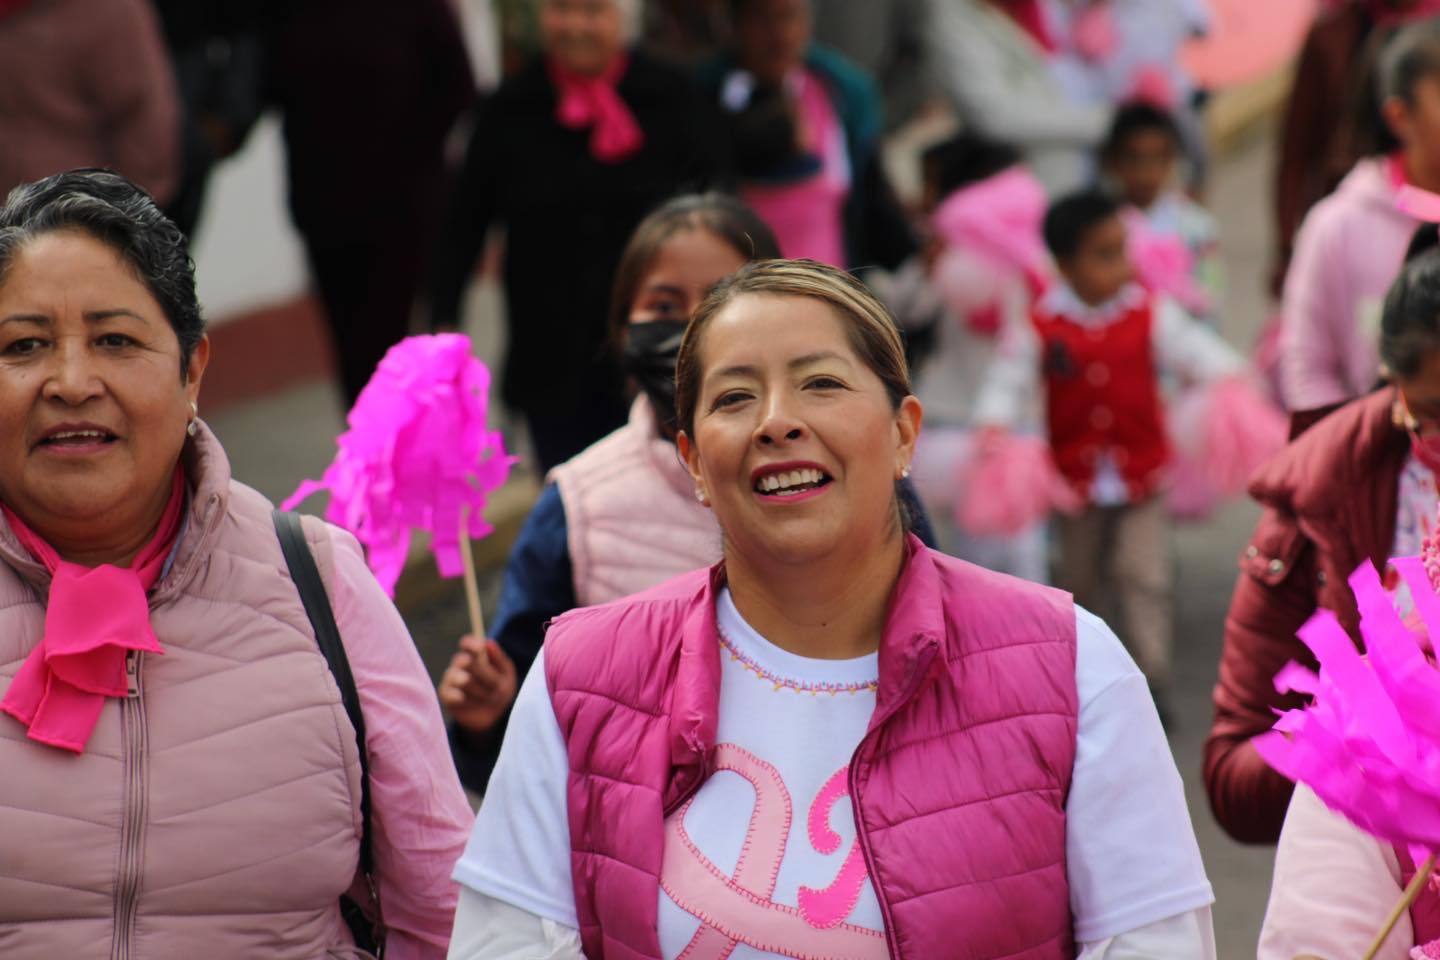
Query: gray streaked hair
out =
(122, 216)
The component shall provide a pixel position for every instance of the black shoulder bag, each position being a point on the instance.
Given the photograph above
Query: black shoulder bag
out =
(367, 927)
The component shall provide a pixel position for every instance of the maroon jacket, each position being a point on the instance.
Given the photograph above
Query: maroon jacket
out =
(1330, 501)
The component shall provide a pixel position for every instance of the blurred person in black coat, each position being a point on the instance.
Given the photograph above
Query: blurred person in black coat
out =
(570, 153)
(218, 55)
(370, 90)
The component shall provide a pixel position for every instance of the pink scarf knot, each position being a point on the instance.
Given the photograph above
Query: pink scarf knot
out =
(593, 102)
(95, 616)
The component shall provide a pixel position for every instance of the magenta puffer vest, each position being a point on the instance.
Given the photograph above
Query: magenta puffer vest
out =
(958, 788)
(215, 813)
(630, 513)
(1425, 914)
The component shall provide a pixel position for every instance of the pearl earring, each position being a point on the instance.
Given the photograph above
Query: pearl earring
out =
(905, 472)
(700, 495)
(190, 428)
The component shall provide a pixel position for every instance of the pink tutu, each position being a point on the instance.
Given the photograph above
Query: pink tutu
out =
(1222, 432)
(1010, 484)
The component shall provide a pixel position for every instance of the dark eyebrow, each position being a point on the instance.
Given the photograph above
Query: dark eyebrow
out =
(665, 288)
(94, 316)
(36, 318)
(813, 358)
(749, 370)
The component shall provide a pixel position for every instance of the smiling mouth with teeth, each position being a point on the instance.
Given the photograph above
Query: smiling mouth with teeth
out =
(791, 482)
(77, 437)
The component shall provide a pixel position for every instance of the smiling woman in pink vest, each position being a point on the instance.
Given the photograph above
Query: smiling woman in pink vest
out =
(180, 776)
(835, 743)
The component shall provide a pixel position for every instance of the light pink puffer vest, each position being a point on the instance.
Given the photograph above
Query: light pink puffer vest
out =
(216, 814)
(631, 513)
(958, 789)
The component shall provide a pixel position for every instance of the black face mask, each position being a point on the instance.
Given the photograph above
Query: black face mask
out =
(651, 350)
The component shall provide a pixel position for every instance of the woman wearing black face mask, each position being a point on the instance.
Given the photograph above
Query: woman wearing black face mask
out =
(621, 517)
(1358, 486)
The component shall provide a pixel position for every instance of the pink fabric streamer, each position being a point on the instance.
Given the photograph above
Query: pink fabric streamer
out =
(1222, 432)
(417, 451)
(998, 220)
(1010, 484)
(1163, 264)
(1369, 742)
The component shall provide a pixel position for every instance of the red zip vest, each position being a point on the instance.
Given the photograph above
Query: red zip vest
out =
(1102, 396)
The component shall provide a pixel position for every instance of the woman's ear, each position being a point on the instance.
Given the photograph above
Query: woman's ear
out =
(691, 456)
(195, 369)
(907, 422)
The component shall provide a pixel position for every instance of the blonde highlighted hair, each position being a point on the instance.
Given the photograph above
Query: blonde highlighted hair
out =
(871, 330)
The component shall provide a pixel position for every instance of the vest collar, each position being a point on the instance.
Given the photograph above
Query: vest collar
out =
(914, 634)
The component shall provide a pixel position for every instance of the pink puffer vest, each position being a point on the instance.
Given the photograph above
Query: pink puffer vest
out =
(958, 789)
(631, 513)
(216, 813)
(1425, 914)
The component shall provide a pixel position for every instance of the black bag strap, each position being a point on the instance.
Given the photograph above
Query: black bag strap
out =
(322, 619)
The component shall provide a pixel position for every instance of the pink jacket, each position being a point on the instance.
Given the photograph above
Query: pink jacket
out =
(631, 513)
(87, 83)
(977, 679)
(216, 813)
(1348, 251)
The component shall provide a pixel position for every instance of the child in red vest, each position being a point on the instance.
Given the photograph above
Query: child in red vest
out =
(1100, 345)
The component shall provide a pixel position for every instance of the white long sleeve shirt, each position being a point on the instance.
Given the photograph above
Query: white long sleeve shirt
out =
(1334, 886)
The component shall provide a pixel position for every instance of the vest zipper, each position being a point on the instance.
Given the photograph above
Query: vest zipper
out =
(127, 884)
(921, 668)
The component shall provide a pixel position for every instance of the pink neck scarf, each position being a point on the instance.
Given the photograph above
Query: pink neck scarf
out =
(592, 102)
(94, 617)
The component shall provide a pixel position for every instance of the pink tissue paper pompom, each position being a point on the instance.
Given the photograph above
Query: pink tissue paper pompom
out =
(1369, 742)
(1222, 432)
(418, 451)
(1163, 264)
(998, 220)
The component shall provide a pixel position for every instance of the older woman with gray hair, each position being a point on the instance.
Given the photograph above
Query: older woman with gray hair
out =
(570, 153)
(187, 774)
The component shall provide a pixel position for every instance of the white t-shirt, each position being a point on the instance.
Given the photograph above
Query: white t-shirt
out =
(791, 724)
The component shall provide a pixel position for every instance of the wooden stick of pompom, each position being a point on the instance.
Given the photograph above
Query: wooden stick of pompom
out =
(472, 584)
(1406, 902)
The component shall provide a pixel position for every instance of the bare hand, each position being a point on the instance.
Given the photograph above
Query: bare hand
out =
(479, 685)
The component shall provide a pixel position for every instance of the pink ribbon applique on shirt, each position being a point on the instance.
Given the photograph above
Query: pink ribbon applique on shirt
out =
(740, 909)
(826, 908)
